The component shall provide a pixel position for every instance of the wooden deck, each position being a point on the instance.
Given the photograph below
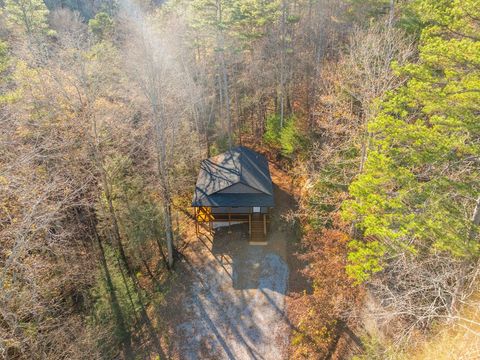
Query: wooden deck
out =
(258, 223)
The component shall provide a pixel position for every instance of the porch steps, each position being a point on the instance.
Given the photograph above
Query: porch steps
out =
(257, 235)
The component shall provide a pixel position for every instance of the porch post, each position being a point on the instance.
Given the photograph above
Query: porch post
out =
(249, 223)
(196, 220)
(229, 222)
(264, 224)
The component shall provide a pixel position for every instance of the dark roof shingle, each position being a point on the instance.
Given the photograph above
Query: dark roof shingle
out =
(238, 165)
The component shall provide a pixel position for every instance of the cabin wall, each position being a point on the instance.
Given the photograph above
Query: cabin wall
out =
(237, 210)
(231, 210)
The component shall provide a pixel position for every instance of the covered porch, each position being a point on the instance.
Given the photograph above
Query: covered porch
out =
(257, 218)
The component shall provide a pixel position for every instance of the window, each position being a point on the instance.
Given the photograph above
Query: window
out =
(256, 209)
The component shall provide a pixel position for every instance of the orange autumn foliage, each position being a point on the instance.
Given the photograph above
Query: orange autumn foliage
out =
(324, 317)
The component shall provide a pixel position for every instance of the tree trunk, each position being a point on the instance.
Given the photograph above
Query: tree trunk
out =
(162, 253)
(312, 93)
(221, 42)
(282, 62)
(475, 219)
(160, 139)
(99, 161)
(116, 229)
(391, 13)
(237, 113)
(364, 152)
(167, 216)
(129, 294)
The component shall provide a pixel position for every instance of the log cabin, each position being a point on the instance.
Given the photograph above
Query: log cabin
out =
(235, 187)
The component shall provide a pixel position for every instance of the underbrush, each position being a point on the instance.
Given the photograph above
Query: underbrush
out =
(322, 318)
(121, 307)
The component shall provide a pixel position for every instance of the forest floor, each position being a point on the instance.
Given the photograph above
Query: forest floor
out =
(229, 297)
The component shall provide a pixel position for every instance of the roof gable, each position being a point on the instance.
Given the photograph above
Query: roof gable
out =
(239, 188)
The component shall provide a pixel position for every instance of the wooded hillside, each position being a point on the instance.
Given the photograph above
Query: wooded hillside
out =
(372, 108)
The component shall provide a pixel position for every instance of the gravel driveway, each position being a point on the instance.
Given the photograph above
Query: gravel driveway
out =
(236, 300)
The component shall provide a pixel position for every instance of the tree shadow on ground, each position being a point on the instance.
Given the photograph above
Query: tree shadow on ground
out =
(257, 266)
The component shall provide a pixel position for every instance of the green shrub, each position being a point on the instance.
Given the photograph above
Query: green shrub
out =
(272, 130)
(287, 139)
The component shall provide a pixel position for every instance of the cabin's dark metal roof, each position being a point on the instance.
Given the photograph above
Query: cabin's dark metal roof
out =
(238, 165)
